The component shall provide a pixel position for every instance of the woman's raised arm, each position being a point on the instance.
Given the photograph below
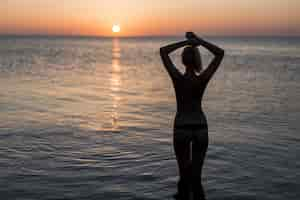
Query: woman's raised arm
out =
(164, 53)
(217, 51)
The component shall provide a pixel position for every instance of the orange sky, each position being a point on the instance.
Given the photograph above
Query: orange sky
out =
(150, 17)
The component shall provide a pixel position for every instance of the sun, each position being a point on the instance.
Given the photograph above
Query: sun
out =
(116, 28)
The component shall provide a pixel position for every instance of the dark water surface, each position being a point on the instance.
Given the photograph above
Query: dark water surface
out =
(91, 118)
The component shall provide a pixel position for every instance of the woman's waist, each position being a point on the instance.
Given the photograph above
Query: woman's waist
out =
(189, 107)
(190, 119)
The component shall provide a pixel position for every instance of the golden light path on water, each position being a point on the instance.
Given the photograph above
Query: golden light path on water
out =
(115, 82)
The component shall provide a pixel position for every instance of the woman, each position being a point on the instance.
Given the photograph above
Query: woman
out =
(190, 127)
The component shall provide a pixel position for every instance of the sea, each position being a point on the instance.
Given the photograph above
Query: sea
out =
(91, 118)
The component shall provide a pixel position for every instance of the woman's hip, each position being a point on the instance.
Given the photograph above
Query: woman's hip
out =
(191, 132)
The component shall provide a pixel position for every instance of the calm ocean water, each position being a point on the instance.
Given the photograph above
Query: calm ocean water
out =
(91, 118)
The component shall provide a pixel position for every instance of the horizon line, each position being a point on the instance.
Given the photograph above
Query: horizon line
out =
(138, 36)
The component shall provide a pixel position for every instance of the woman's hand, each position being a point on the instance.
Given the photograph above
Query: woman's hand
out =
(193, 38)
(191, 35)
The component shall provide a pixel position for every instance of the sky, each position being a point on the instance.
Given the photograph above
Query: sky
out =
(150, 17)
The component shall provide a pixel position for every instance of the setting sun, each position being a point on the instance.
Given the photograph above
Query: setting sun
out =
(116, 28)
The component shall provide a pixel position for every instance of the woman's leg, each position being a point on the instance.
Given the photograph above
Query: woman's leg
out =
(199, 148)
(181, 143)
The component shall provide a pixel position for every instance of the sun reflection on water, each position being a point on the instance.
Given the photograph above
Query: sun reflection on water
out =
(115, 83)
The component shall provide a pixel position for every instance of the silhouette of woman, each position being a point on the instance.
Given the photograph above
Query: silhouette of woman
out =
(190, 127)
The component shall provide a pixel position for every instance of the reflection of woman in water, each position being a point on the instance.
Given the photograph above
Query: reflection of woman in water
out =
(190, 127)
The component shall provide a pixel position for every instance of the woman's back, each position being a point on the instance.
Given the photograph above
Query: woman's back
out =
(189, 87)
(189, 91)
